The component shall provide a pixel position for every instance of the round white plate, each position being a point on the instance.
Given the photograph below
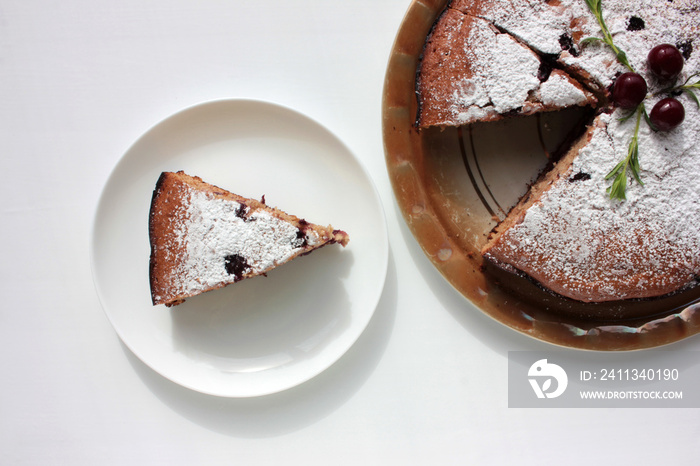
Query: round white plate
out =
(265, 334)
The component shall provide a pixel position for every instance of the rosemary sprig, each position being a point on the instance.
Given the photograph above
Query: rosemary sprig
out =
(596, 8)
(619, 185)
(689, 89)
(618, 188)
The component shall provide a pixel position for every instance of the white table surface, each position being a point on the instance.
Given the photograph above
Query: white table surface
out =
(80, 81)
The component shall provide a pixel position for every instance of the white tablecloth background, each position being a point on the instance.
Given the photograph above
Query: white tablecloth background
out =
(80, 81)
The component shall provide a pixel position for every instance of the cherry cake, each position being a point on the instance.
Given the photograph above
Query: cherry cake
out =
(617, 216)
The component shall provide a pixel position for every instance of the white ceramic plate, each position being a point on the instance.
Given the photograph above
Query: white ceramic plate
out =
(261, 335)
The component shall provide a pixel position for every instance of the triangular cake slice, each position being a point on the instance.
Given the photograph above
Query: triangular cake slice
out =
(204, 237)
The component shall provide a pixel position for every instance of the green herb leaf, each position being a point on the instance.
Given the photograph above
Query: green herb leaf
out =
(614, 171)
(691, 77)
(624, 118)
(634, 161)
(622, 58)
(596, 8)
(618, 188)
(693, 96)
(592, 5)
(685, 87)
(648, 120)
(589, 40)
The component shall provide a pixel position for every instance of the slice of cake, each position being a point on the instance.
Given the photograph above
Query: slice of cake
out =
(567, 233)
(204, 237)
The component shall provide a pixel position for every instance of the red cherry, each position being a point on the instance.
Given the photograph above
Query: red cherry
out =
(667, 114)
(629, 90)
(665, 61)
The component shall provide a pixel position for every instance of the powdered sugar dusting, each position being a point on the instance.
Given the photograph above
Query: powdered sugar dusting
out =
(213, 229)
(576, 239)
(547, 26)
(503, 41)
(557, 91)
(502, 75)
(507, 82)
(592, 245)
(531, 21)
